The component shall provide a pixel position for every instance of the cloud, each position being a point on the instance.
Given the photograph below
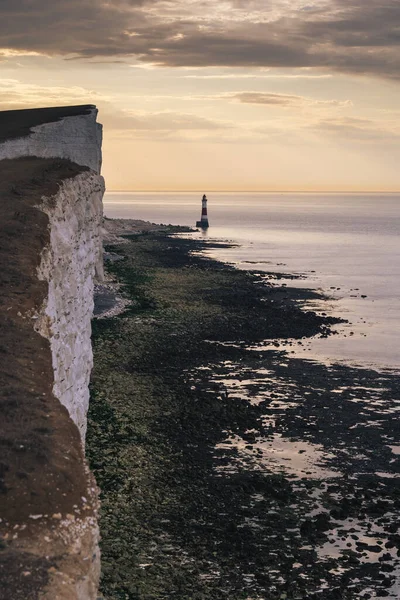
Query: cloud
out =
(283, 100)
(258, 76)
(227, 76)
(173, 125)
(9, 53)
(163, 122)
(348, 36)
(360, 130)
(16, 94)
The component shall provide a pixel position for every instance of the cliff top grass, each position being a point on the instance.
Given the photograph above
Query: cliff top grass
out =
(19, 123)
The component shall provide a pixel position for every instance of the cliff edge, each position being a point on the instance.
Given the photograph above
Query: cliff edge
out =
(50, 255)
(70, 132)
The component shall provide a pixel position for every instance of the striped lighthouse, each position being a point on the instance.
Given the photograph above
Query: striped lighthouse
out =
(204, 217)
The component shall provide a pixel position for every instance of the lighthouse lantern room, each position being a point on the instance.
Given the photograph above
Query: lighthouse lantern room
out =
(203, 223)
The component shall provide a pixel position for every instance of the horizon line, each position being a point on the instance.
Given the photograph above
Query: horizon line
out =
(201, 191)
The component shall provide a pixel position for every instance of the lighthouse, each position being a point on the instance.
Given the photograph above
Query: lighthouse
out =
(203, 223)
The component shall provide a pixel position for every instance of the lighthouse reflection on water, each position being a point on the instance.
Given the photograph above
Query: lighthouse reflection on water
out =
(203, 223)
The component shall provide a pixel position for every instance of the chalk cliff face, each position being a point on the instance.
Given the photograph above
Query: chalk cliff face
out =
(69, 264)
(51, 252)
(74, 255)
(77, 138)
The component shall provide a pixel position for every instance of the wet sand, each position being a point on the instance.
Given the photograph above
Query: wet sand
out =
(230, 468)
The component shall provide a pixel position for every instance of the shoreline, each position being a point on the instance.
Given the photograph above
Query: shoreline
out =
(228, 468)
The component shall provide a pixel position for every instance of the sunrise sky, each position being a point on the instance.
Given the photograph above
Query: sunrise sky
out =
(219, 95)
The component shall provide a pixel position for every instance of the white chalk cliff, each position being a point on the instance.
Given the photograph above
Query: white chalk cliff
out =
(63, 531)
(77, 138)
(74, 257)
(70, 265)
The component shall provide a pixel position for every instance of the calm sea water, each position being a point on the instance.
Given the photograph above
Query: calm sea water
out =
(347, 245)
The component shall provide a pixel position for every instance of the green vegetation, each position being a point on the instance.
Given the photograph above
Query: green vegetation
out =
(181, 518)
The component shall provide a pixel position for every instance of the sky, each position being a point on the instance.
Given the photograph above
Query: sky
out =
(219, 95)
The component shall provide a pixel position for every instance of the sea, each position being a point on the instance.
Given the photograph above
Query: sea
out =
(345, 245)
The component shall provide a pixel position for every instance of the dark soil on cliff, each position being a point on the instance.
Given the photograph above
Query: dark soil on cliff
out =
(41, 460)
(227, 468)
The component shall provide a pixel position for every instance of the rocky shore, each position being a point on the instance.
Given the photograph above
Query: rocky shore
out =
(227, 468)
